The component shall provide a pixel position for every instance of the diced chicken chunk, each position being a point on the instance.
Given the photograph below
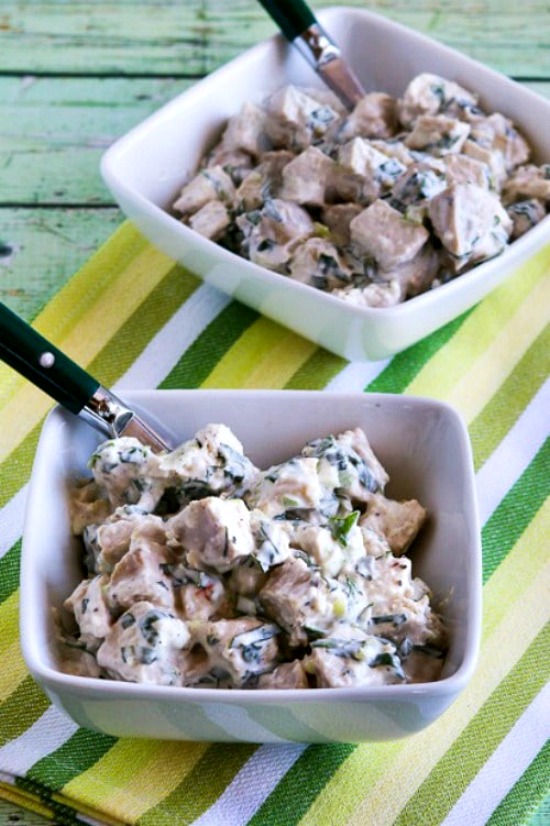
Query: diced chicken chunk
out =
(139, 576)
(78, 662)
(283, 222)
(298, 598)
(286, 675)
(88, 506)
(215, 532)
(386, 235)
(499, 133)
(375, 116)
(347, 464)
(211, 220)
(407, 621)
(363, 173)
(235, 162)
(247, 577)
(264, 182)
(528, 182)
(295, 119)
(525, 215)
(492, 158)
(337, 662)
(208, 185)
(429, 94)
(438, 135)
(246, 130)
(470, 223)
(307, 177)
(114, 535)
(244, 647)
(396, 606)
(318, 263)
(273, 233)
(394, 148)
(271, 540)
(122, 468)
(416, 275)
(197, 594)
(212, 462)
(146, 646)
(337, 217)
(89, 606)
(418, 184)
(335, 548)
(398, 522)
(251, 193)
(423, 664)
(461, 169)
(293, 485)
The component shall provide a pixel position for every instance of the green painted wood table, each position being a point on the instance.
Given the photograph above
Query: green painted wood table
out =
(74, 76)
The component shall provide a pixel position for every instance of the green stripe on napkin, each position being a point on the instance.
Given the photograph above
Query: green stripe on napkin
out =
(516, 511)
(492, 363)
(199, 360)
(475, 745)
(521, 801)
(513, 396)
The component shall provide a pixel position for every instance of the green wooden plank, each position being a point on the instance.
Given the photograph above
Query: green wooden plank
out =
(542, 815)
(14, 816)
(540, 87)
(195, 37)
(54, 131)
(43, 248)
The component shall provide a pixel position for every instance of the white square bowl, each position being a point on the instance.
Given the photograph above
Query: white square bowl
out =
(146, 169)
(424, 446)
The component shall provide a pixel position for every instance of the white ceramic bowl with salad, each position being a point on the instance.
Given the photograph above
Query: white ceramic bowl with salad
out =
(147, 168)
(422, 444)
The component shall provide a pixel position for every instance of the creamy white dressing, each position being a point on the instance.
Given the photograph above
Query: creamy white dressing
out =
(206, 571)
(373, 206)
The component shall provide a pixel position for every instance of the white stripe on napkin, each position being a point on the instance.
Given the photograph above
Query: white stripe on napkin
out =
(46, 735)
(505, 766)
(11, 520)
(356, 376)
(251, 785)
(513, 455)
(167, 346)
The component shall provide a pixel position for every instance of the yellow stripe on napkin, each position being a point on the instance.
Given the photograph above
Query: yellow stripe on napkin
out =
(265, 356)
(136, 775)
(27, 405)
(484, 324)
(13, 669)
(479, 385)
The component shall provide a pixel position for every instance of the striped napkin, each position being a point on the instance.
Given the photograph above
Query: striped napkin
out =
(134, 319)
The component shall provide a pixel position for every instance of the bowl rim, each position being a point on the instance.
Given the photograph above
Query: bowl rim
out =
(62, 683)
(444, 294)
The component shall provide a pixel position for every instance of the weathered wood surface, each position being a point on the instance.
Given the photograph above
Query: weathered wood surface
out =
(74, 76)
(193, 37)
(53, 132)
(41, 248)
